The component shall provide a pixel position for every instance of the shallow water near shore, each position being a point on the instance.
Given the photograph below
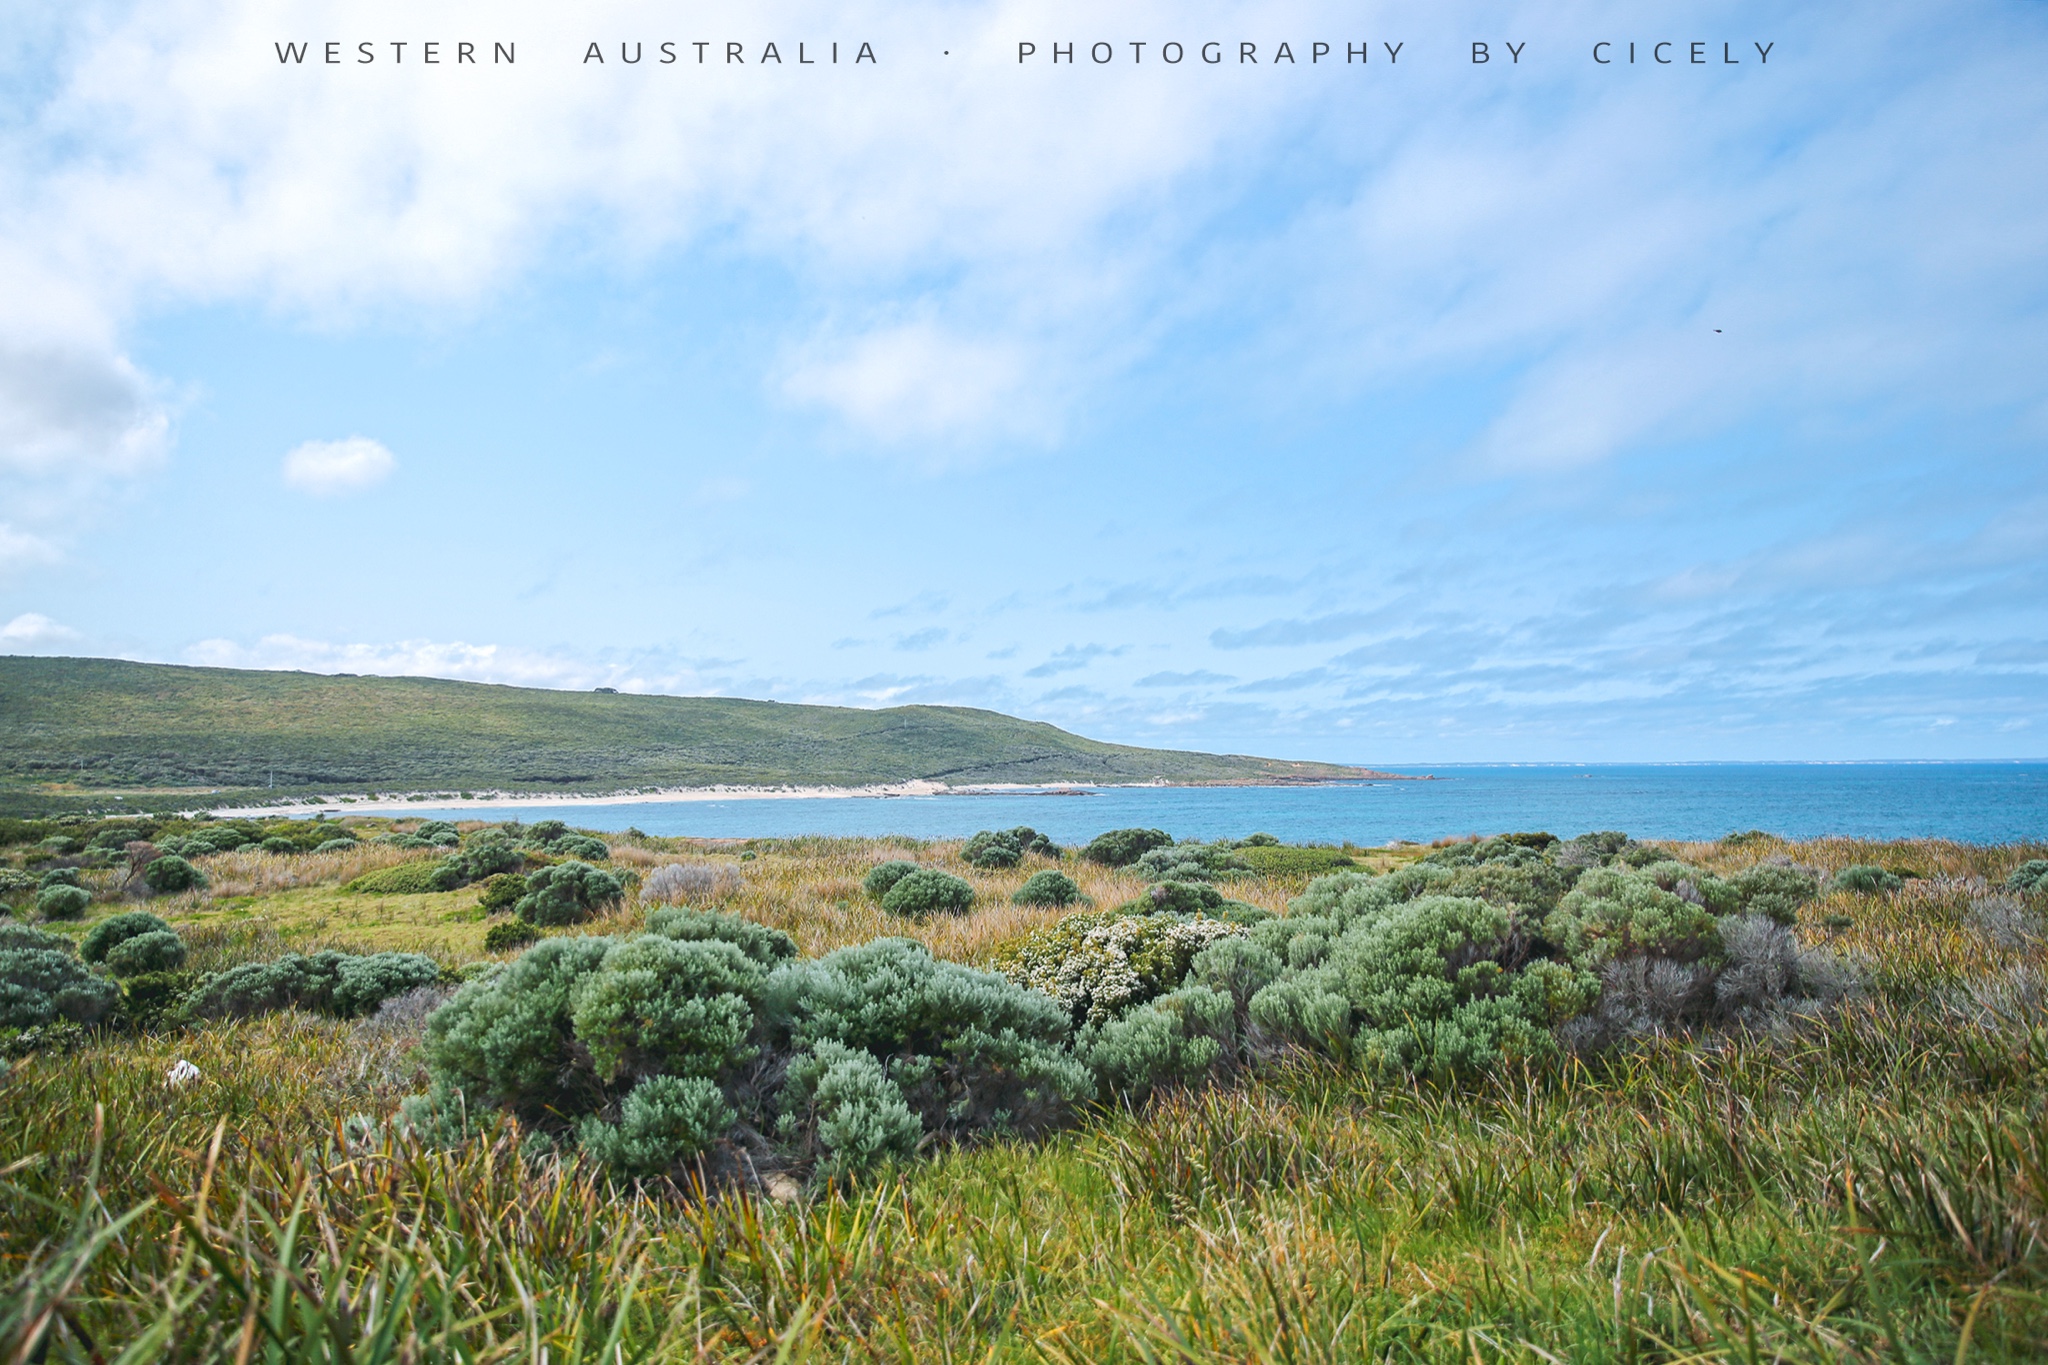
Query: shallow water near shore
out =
(1973, 802)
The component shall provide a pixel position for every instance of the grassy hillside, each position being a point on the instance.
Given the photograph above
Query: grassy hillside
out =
(103, 724)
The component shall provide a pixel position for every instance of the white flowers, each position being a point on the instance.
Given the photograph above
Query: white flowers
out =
(181, 1075)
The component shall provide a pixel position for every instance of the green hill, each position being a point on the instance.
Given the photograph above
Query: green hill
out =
(79, 726)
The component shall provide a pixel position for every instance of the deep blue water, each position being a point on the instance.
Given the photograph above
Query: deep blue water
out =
(1976, 802)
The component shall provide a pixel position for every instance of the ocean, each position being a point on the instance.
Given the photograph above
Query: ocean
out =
(1974, 802)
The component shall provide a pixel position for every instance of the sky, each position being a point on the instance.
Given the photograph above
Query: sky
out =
(1407, 410)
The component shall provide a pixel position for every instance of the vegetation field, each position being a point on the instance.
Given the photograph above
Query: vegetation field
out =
(1855, 1168)
(75, 727)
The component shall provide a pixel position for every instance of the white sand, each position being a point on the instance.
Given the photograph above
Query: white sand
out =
(399, 805)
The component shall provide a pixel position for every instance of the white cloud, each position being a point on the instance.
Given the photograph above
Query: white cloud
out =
(32, 629)
(328, 468)
(921, 382)
(458, 659)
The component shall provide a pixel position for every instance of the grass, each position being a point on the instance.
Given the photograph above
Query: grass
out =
(69, 727)
(1872, 1186)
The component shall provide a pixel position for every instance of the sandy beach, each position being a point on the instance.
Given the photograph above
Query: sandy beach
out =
(401, 805)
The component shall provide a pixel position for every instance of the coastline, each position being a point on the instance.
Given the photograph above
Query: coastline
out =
(398, 805)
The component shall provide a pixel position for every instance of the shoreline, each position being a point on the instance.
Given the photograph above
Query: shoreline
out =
(399, 805)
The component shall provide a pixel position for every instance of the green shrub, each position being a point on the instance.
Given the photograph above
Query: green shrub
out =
(545, 832)
(581, 846)
(506, 935)
(992, 850)
(1430, 987)
(661, 1005)
(567, 893)
(334, 846)
(663, 1121)
(2029, 876)
(1098, 964)
(419, 877)
(1776, 890)
(42, 982)
(1176, 898)
(154, 997)
(769, 947)
(929, 891)
(275, 844)
(114, 930)
(1617, 913)
(439, 833)
(15, 887)
(1122, 847)
(160, 950)
(1047, 887)
(60, 876)
(885, 875)
(171, 874)
(1269, 861)
(501, 892)
(489, 853)
(1174, 1040)
(327, 982)
(1866, 879)
(970, 1051)
(855, 1115)
(620, 1044)
(62, 901)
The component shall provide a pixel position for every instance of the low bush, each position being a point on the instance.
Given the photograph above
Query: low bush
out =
(277, 844)
(506, 935)
(1122, 847)
(581, 846)
(326, 982)
(150, 998)
(2029, 876)
(770, 947)
(567, 893)
(1098, 964)
(15, 887)
(885, 875)
(992, 850)
(419, 877)
(995, 849)
(1776, 889)
(929, 891)
(1048, 887)
(42, 982)
(62, 901)
(160, 950)
(334, 846)
(1866, 879)
(171, 874)
(651, 1051)
(115, 930)
(489, 853)
(1271, 861)
(439, 833)
(501, 893)
(60, 876)
(1190, 862)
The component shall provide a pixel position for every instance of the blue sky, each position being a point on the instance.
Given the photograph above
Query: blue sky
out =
(1416, 411)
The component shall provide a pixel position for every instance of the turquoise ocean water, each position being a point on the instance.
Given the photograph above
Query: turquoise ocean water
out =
(1977, 802)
